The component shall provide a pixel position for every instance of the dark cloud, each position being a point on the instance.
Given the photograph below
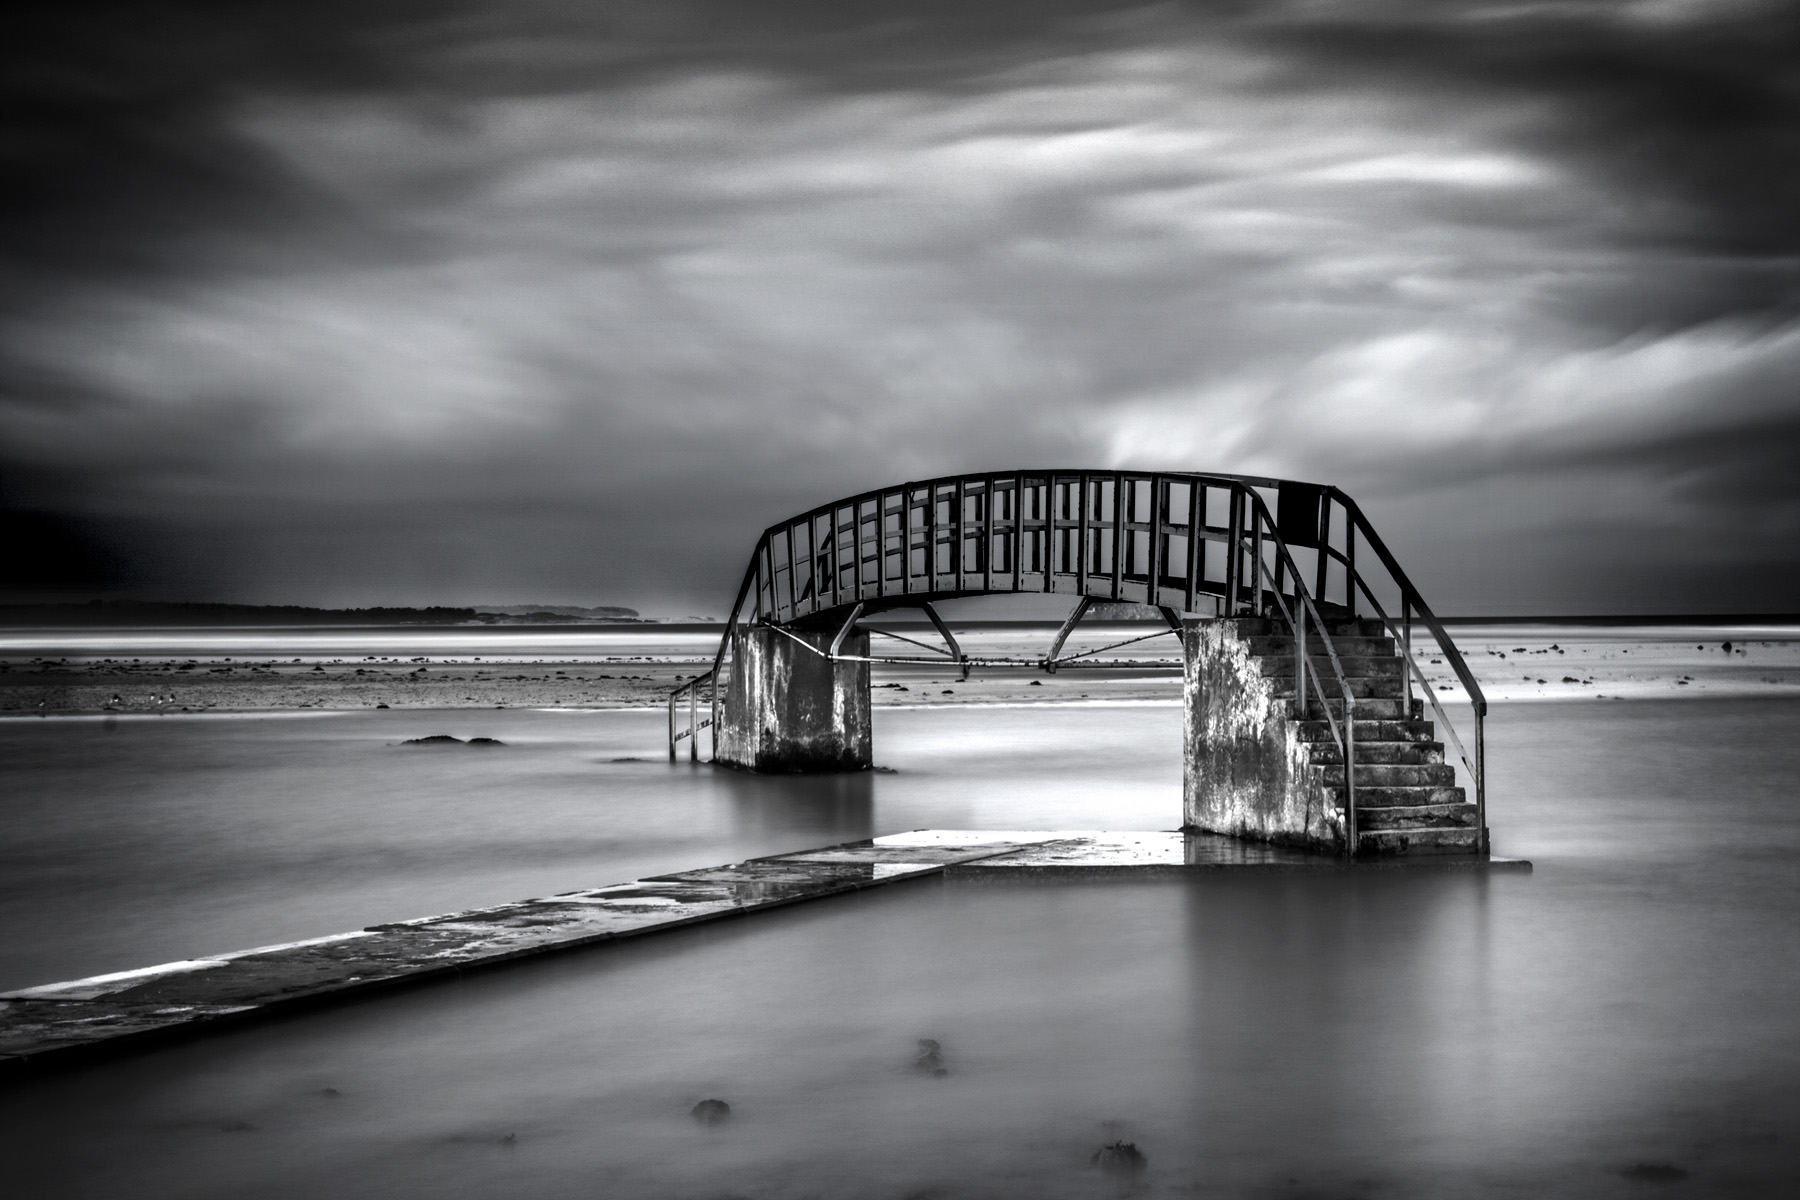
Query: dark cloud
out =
(433, 302)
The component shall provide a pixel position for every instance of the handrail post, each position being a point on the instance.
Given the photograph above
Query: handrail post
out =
(1350, 770)
(673, 696)
(1234, 560)
(1324, 559)
(1256, 556)
(693, 723)
(1300, 667)
(1350, 567)
(1406, 649)
(1481, 779)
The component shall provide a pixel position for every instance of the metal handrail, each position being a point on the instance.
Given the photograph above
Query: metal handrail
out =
(1411, 602)
(692, 690)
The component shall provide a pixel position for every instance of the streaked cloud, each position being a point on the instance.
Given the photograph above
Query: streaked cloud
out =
(584, 302)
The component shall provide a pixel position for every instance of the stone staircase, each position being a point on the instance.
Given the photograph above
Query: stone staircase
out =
(1407, 800)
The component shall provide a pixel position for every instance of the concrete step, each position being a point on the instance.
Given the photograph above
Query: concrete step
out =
(1373, 708)
(1370, 729)
(1361, 686)
(1418, 816)
(1375, 774)
(1354, 626)
(1326, 753)
(1391, 842)
(1274, 626)
(1281, 666)
(1397, 796)
(1277, 645)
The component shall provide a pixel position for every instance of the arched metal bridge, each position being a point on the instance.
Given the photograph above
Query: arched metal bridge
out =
(1181, 542)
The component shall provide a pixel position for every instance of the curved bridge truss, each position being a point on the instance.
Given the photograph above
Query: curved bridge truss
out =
(1182, 542)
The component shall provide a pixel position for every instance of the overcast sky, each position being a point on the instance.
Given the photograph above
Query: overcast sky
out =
(384, 302)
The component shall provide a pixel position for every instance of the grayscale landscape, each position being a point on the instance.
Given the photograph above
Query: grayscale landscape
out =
(688, 600)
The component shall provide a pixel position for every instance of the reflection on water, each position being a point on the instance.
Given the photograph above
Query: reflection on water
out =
(1624, 1006)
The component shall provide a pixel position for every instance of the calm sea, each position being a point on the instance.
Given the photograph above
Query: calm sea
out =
(1617, 1023)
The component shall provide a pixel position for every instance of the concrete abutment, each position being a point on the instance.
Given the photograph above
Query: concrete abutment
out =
(1246, 772)
(792, 709)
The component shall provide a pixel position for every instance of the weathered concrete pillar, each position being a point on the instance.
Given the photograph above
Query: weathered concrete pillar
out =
(789, 710)
(1246, 770)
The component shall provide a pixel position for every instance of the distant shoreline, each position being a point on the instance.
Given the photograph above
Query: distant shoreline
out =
(145, 614)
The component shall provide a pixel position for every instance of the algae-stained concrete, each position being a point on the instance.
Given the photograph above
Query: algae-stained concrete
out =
(65, 1022)
(1246, 772)
(791, 709)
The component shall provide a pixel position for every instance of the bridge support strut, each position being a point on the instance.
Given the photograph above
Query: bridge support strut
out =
(1062, 635)
(956, 651)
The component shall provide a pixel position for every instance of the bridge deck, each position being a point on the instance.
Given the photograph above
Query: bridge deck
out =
(62, 1022)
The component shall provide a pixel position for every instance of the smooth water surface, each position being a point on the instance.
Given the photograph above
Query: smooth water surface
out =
(1617, 1023)
(126, 841)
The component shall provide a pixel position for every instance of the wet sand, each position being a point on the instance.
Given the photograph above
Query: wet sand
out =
(1539, 664)
(249, 687)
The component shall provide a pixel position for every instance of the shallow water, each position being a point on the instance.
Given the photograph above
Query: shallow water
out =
(126, 841)
(1027, 641)
(1626, 1005)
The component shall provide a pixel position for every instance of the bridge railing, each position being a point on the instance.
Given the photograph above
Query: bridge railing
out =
(1154, 538)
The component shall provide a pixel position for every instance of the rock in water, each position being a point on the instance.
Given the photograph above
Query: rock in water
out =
(711, 1112)
(436, 739)
(1121, 1159)
(931, 1058)
(486, 742)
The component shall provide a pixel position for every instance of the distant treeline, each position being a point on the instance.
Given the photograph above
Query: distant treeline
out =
(153, 612)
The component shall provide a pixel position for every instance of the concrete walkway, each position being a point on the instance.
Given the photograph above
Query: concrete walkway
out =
(63, 1022)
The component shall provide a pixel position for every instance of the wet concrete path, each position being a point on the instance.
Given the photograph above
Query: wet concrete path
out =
(65, 1022)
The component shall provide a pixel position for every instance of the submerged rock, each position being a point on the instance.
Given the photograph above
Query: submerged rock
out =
(711, 1112)
(436, 739)
(931, 1058)
(1121, 1159)
(486, 742)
